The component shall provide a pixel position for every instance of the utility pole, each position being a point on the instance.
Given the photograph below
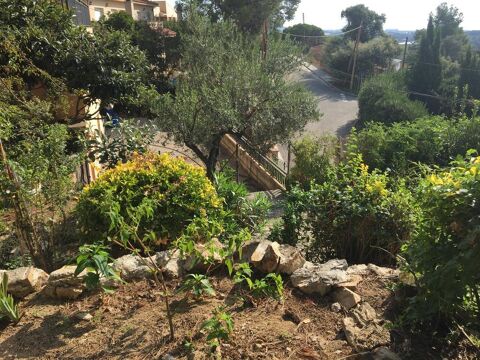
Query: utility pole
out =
(355, 53)
(405, 52)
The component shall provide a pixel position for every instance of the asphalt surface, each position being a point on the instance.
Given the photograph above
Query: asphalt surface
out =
(338, 108)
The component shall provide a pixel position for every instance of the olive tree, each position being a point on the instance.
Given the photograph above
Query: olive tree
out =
(227, 87)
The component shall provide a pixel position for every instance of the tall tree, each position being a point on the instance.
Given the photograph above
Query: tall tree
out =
(227, 88)
(160, 48)
(448, 20)
(305, 30)
(40, 42)
(249, 15)
(372, 23)
(426, 72)
(469, 82)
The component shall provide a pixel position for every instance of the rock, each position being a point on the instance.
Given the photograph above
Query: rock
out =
(25, 280)
(70, 293)
(359, 269)
(336, 307)
(205, 255)
(170, 263)
(269, 257)
(347, 298)
(268, 261)
(168, 357)
(384, 272)
(364, 313)
(365, 338)
(319, 279)
(407, 279)
(352, 283)
(290, 259)
(63, 283)
(384, 353)
(85, 316)
(264, 255)
(132, 267)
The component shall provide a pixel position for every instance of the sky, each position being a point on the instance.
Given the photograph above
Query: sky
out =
(401, 14)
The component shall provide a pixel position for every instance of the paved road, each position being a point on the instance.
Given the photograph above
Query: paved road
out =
(339, 109)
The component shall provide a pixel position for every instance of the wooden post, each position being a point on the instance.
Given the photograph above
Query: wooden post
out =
(405, 52)
(237, 165)
(355, 55)
(289, 151)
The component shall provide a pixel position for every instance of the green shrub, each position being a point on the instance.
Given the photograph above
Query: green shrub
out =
(445, 251)
(163, 193)
(384, 98)
(378, 52)
(355, 215)
(313, 159)
(240, 211)
(432, 140)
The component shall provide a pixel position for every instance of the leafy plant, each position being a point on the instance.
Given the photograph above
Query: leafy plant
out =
(120, 143)
(240, 211)
(218, 327)
(383, 98)
(8, 308)
(170, 192)
(270, 286)
(314, 158)
(432, 140)
(95, 259)
(355, 215)
(443, 254)
(197, 285)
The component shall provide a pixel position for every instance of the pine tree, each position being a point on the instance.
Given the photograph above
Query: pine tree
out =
(426, 75)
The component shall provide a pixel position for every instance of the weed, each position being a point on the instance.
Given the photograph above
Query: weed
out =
(197, 285)
(8, 308)
(218, 327)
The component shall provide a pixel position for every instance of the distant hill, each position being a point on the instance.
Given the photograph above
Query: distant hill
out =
(399, 35)
(474, 36)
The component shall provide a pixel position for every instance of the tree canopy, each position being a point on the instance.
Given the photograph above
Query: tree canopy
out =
(40, 45)
(305, 30)
(227, 88)
(372, 23)
(249, 15)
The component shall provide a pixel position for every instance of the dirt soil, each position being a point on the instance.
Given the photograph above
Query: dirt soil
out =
(131, 324)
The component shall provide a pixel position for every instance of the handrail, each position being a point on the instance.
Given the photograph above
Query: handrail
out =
(270, 166)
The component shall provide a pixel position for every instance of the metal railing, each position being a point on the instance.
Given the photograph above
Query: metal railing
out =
(269, 165)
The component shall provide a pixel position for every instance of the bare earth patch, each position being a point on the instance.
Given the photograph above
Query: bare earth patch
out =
(131, 324)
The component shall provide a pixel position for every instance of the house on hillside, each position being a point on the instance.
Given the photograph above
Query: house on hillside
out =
(164, 11)
(80, 9)
(138, 9)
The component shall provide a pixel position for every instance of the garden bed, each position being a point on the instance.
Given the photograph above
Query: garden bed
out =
(131, 324)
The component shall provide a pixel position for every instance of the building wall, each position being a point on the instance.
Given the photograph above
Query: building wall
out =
(164, 12)
(142, 12)
(105, 8)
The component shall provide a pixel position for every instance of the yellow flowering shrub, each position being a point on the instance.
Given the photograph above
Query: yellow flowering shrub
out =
(355, 214)
(445, 251)
(167, 191)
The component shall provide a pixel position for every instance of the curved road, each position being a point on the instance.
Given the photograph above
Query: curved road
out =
(338, 108)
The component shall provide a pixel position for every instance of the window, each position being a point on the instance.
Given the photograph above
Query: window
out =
(98, 13)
